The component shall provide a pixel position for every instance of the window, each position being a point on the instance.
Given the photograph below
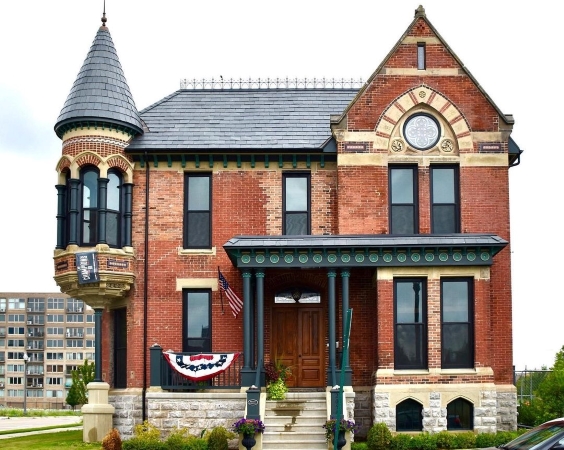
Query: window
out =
(16, 303)
(445, 210)
(460, 415)
(55, 330)
(36, 304)
(403, 200)
(457, 332)
(56, 303)
(75, 332)
(89, 210)
(15, 380)
(73, 343)
(421, 56)
(75, 306)
(197, 210)
(15, 355)
(16, 343)
(54, 355)
(75, 318)
(16, 330)
(197, 321)
(54, 318)
(410, 314)
(409, 416)
(54, 394)
(98, 200)
(54, 381)
(114, 221)
(54, 343)
(296, 204)
(16, 318)
(75, 356)
(55, 368)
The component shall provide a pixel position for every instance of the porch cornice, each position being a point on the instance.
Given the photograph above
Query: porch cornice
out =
(318, 251)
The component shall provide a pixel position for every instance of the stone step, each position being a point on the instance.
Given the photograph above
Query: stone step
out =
(297, 442)
(296, 422)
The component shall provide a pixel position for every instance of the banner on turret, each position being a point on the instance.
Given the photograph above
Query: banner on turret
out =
(87, 267)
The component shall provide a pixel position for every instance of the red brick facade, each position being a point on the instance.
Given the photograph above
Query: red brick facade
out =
(349, 196)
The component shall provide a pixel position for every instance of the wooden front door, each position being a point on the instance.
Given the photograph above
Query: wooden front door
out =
(297, 340)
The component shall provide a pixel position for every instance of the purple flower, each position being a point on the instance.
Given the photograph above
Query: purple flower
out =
(248, 426)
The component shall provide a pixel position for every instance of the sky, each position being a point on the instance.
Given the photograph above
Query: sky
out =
(511, 48)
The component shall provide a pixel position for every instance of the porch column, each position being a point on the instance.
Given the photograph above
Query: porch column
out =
(345, 276)
(98, 344)
(260, 327)
(247, 372)
(331, 369)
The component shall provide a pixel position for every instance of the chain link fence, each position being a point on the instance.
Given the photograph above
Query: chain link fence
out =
(527, 382)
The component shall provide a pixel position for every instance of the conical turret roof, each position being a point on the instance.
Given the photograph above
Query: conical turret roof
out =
(100, 95)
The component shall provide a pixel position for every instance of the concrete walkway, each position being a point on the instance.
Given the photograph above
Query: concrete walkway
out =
(22, 423)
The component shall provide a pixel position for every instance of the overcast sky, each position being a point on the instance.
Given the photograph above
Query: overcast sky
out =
(513, 52)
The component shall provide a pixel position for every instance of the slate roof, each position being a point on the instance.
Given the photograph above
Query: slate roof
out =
(100, 94)
(238, 119)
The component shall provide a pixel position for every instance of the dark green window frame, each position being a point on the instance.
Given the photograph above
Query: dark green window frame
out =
(410, 324)
(403, 199)
(296, 203)
(196, 321)
(457, 323)
(197, 210)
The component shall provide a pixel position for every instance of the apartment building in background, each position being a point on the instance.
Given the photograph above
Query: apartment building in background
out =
(43, 337)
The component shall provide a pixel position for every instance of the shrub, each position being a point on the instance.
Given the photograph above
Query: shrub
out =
(444, 440)
(466, 439)
(177, 439)
(218, 439)
(379, 437)
(140, 444)
(503, 437)
(359, 446)
(423, 441)
(401, 442)
(146, 432)
(112, 440)
(195, 443)
(485, 440)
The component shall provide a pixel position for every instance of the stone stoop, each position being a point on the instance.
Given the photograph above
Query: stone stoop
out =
(296, 423)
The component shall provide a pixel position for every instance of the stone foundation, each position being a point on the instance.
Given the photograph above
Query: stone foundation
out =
(495, 407)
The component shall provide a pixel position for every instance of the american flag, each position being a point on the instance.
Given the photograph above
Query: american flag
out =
(235, 302)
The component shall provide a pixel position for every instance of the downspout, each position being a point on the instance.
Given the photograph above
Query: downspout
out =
(145, 289)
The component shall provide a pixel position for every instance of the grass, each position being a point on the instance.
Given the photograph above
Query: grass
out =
(17, 412)
(60, 440)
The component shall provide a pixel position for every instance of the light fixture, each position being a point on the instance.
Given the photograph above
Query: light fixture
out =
(25, 359)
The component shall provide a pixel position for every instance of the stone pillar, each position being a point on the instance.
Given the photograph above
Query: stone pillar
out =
(97, 414)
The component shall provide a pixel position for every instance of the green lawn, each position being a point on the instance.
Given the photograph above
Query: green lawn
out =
(49, 441)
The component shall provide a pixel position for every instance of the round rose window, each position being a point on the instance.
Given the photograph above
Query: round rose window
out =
(421, 131)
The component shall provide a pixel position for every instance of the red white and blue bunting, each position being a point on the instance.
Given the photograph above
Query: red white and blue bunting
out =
(200, 367)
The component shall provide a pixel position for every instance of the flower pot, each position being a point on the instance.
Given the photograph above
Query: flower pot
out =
(248, 441)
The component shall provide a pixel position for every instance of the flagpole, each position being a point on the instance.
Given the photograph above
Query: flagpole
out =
(220, 293)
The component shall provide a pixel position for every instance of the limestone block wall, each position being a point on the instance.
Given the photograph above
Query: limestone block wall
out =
(128, 410)
(363, 410)
(506, 408)
(194, 411)
(495, 407)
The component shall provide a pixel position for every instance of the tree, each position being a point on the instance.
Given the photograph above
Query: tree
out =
(81, 376)
(551, 390)
(72, 396)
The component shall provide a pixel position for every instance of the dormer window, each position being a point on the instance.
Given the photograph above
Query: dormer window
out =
(421, 56)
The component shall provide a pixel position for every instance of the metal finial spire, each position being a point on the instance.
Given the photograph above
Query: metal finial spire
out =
(104, 20)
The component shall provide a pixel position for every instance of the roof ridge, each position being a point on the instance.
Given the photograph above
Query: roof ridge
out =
(270, 83)
(157, 103)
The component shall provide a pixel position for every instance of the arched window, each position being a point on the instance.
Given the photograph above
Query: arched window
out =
(409, 416)
(114, 209)
(460, 415)
(89, 206)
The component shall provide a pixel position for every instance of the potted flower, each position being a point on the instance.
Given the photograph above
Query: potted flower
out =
(345, 426)
(276, 374)
(247, 428)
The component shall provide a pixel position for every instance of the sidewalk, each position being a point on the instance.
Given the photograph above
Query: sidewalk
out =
(21, 423)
